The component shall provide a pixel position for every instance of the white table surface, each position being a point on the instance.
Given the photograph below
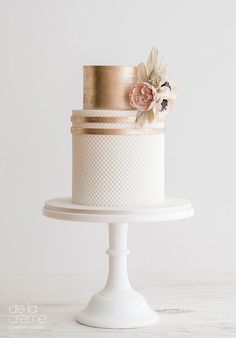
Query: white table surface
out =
(189, 306)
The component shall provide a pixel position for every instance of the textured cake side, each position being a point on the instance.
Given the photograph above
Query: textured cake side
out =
(117, 170)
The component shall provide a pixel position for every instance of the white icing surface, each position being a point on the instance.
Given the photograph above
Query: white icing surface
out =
(117, 170)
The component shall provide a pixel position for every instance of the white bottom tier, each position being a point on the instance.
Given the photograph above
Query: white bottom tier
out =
(118, 170)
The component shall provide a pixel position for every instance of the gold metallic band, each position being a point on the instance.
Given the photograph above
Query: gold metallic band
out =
(110, 131)
(103, 119)
(107, 87)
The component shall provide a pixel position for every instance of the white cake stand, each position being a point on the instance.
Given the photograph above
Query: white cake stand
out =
(117, 305)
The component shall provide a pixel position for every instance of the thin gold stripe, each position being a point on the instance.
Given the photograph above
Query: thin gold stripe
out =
(103, 119)
(110, 131)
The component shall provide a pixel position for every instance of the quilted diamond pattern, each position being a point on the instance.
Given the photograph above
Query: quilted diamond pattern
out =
(117, 170)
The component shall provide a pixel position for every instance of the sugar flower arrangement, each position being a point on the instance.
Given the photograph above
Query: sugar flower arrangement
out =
(154, 95)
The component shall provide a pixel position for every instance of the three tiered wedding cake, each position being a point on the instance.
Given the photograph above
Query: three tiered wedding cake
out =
(118, 136)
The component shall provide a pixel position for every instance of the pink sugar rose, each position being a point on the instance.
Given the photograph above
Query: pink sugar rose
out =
(143, 96)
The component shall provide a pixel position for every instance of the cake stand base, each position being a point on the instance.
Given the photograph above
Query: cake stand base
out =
(117, 312)
(117, 305)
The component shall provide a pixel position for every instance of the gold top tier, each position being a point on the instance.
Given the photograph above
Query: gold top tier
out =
(107, 87)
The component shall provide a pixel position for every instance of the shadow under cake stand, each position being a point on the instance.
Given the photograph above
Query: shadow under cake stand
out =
(118, 305)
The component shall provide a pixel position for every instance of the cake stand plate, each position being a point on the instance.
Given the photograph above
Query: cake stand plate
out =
(170, 209)
(118, 305)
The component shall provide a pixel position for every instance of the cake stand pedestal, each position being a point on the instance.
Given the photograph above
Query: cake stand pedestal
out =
(118, 305)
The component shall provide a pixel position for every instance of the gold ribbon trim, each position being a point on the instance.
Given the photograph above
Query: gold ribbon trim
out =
(110, 131)
(103, 119)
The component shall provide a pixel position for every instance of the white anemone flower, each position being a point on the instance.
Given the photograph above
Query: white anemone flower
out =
(166, 97)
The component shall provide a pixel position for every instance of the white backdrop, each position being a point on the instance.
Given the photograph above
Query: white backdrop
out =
(43, 46)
